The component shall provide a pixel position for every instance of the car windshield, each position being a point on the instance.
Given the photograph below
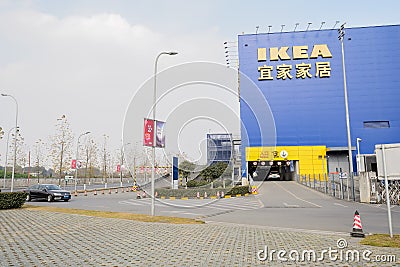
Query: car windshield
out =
(53, 187)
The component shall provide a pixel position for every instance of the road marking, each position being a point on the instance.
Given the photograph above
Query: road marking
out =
(290, 206)
(338, 204)
(297, 196)
(180, 212)
(218, 204)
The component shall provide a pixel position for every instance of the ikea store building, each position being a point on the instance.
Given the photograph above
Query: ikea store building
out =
(300, 74)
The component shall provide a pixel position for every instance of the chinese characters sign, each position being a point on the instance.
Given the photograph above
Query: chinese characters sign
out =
(319, 69)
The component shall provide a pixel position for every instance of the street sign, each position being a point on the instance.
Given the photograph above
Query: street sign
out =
(343, 175)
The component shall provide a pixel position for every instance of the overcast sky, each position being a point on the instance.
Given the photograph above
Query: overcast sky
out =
(85, 59)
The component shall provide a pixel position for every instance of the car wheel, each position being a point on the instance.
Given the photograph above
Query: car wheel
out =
(66, 200)
(49, 198)
(28, 197)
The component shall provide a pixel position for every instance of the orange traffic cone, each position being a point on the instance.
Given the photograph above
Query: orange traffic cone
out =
(205, 194)
(357, 227)
(156, 194)
(76, 193)
(109, 191)
(85, 193)
(217, 194)
(198, 195)
(116, 190)
(95, 192)
(102, 192)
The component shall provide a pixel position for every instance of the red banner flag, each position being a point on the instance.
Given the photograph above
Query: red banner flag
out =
(148, 137)
(73, 164)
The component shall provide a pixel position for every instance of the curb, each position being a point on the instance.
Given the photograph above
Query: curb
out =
(115, 190)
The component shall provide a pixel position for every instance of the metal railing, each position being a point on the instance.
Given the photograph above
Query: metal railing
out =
(335, 185)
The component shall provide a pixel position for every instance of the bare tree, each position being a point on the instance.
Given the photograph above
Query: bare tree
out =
(90, 151)
(38, 155)
(20, 153)
(61, 147)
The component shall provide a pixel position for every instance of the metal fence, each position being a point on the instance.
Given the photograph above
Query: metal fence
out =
(335, 185)
(394, 192)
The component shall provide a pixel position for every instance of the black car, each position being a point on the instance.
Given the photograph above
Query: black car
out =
(50, 192)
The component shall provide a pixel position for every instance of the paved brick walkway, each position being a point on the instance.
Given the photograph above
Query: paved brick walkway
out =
(36, 238)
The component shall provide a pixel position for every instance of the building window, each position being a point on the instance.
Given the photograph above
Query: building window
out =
(376, 124)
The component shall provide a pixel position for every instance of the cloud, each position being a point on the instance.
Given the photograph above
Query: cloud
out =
(86, 67)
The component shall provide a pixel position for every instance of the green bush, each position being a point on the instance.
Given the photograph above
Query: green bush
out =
(239, 190)
(194, 183)
(12, 200)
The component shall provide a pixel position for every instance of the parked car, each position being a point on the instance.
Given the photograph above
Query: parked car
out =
(274, 173)
(50, 192)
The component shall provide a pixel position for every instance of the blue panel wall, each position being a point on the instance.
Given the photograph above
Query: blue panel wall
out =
(311, 111)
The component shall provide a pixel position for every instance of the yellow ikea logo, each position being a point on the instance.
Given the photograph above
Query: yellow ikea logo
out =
(298, 52)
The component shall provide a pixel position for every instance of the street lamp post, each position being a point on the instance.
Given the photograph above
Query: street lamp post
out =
(15, 140)
(153, 148)
(76, 158)
(122, 162)
(346, 102)
(358, 155)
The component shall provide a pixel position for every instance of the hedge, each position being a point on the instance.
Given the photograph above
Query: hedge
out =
(239, 190)
(12, 200)
(194, 183)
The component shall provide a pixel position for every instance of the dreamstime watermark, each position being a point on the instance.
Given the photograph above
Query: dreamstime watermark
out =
(340, 253)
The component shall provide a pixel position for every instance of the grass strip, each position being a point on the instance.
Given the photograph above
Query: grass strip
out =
(117, 215)
(381, 240)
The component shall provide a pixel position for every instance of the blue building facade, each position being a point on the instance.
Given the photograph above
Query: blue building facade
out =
(301, 76)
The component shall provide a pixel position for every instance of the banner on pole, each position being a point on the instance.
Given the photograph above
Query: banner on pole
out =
(148, 135)
(73, 164)
(160, 136)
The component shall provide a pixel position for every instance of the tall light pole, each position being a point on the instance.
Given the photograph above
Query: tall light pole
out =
(15, 140)
(6, 158)
(105, 159)
(153, 148)
(76, 158)
(346, 103)
(122, 162)
(358, 155)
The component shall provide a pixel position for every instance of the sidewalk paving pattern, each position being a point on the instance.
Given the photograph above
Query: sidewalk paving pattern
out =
(38, 238)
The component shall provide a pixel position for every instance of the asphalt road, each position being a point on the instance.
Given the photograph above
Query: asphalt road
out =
(280, 205)
(291, 205)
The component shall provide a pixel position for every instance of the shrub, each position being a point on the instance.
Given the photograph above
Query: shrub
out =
(194, 183)
(239, 190)
(12, 200)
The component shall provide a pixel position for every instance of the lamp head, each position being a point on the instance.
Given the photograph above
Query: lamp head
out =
(172, 53)
(4, 95)
(359, 139)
